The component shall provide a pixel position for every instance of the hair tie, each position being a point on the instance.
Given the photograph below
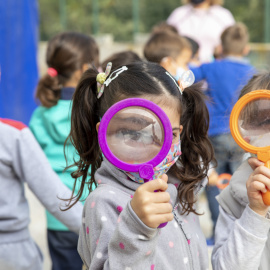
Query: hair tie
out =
(52, 72)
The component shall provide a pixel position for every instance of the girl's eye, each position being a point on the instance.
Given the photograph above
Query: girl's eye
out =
(174, 135)
(135, 136)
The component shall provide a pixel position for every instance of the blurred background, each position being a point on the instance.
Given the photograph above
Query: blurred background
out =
(116, 25)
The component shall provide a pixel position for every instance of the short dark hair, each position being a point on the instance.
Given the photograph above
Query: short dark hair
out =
(121, 59)
(164, 44)
(194, 45)
(234, 39)
(164, 27)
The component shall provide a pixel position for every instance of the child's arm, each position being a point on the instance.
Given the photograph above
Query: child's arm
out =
(199, 73)
(31, 165)
(239, 243)
(120, 240)
(239, 240)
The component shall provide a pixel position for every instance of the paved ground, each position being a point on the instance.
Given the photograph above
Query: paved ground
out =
(38, 224)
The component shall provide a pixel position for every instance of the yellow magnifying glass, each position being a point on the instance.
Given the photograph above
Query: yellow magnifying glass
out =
(250, 127)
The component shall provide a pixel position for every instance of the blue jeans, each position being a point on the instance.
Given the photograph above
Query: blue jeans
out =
(229, 157)
(228, 154)
(63, 250)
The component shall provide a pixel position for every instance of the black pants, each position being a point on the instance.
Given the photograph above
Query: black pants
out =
(63, 250)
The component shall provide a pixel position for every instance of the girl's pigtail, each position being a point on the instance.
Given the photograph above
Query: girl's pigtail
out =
(197, 150)
(48, 90)
(83, 134)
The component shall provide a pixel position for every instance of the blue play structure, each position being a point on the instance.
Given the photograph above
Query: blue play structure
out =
(18, 58)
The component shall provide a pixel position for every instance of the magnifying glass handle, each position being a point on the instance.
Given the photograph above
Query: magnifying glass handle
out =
(266, 195)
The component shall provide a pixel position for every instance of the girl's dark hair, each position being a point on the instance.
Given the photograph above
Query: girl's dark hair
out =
(66, 53)
(121, 59)
(141, 80)
(257, 82)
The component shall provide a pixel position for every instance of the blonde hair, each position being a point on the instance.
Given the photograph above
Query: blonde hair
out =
(212, 2)
(234, 39)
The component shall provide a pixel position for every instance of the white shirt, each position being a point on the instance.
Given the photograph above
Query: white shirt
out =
(203, 25)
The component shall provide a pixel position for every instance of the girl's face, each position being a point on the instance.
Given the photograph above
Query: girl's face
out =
(170, 108)
(135, 135)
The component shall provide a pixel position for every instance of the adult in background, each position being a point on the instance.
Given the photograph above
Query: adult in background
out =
(203, 21)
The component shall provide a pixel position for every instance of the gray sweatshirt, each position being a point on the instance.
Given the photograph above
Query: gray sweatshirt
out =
(113, 237)
(242, 239)
(23, 161)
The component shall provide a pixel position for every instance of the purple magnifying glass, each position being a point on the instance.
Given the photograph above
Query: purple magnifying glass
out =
(135, 135)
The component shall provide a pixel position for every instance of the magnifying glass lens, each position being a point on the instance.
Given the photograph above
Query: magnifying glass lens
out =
(254, 122)
(135, 135)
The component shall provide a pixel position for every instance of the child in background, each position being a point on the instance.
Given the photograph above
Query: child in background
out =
(242, 230)
(121, 216)
(164, 27)
(170, 51)
(121, 59)
(23, 161)
(195, 47)
(69, 54)
(225, 78)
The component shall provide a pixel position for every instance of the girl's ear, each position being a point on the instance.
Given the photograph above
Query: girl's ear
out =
(97, 126)
(166, 63)
(85, 67)
(246, 50)
(181, 129)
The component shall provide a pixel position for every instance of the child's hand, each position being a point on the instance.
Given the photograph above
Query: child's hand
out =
(153, 208)
(257, 183)
(213, 178)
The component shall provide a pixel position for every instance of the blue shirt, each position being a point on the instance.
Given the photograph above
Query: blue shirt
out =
(225, 79)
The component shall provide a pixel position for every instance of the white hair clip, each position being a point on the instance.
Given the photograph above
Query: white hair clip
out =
(117, 72)
(102, 77)
(186, 80)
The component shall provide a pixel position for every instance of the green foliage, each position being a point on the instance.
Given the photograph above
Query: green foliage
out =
(251, 13)
(116, 17)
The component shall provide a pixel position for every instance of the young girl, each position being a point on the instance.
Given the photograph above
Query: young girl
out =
(242, 230)
(69, 54)
(121, 216)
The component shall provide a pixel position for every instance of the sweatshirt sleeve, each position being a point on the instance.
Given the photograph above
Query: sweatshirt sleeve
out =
(115, 240)
(199, 73)
(32, 166)
(239, 243)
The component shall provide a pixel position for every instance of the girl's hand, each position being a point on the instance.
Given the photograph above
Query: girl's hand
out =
(257, 183)
(153, 208)
(213, 178)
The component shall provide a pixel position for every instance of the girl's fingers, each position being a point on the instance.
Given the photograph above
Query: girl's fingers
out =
(262, 179)
(164, 177)
(157, 184)
(257, 186)
(254, 163)
(262, 170)
(161, 197)
(162, 218)
(163, 208)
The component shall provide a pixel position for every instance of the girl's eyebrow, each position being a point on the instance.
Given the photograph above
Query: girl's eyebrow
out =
(176, 128)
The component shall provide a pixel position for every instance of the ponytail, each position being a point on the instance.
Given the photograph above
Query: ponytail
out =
(48, 90)
(83, 134)
(197, 150)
